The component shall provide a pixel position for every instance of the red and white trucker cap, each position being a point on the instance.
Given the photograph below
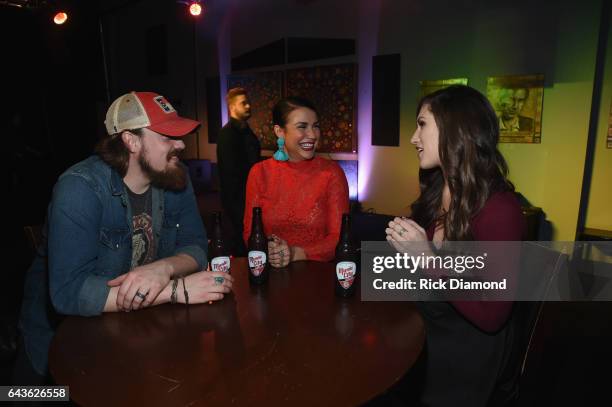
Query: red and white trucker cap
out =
(136, 110)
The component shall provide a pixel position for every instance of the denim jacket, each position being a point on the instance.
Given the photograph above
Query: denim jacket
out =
(88, 241)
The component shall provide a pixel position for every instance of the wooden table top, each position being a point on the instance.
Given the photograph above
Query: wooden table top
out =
(291, 342)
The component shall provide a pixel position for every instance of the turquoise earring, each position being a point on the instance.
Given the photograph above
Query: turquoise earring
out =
(280, 155)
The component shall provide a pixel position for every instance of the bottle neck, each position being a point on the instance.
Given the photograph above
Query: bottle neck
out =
(218, 236)
(345, 232)
(218, 229)
(257, 223)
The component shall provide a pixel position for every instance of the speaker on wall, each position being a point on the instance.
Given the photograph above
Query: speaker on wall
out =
(386, 71)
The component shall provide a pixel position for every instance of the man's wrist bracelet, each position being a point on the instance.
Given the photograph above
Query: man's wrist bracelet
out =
(173, 296)
(185, 291)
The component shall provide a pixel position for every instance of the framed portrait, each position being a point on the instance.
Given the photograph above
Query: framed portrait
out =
(264, 90)
(426, 87)
(517, 101)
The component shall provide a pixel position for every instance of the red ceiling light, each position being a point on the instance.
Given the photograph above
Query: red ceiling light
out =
(60, 18)
(195, 8)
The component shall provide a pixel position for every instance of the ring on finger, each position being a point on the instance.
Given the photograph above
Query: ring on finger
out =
(219, 280)
(141, 295)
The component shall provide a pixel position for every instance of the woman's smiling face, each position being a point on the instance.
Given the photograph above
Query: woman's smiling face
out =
(301, 134)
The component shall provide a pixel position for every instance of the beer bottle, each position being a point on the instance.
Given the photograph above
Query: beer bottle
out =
(218, 256)
(346, 261)
(258, 250)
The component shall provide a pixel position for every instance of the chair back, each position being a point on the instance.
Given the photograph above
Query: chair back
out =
(526, 318)
(33, 235)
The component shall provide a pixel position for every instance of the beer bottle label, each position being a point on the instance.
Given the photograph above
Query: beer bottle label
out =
(345, 272)
(220, 263)
(257, 262)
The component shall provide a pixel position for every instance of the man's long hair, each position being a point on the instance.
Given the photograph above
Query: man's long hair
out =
(113, 151)
(470, 161)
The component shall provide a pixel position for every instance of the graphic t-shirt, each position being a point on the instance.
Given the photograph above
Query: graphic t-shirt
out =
(143, 242)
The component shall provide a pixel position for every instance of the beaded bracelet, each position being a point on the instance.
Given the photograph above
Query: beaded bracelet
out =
(185, 292)
(173, 296)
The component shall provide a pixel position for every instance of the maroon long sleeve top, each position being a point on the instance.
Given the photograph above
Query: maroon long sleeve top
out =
(501, 219)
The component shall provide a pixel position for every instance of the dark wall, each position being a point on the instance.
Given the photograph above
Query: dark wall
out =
(52, 81)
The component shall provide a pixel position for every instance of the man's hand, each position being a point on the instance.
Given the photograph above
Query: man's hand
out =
(206, 286)
(140, 286)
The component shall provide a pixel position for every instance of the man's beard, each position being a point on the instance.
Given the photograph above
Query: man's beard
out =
(172, 178)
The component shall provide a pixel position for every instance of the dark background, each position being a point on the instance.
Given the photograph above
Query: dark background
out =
(52, 83)
(54, 88)
(53, 79)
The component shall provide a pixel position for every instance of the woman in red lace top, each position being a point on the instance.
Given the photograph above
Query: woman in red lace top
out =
(465, 195)
(302, 196)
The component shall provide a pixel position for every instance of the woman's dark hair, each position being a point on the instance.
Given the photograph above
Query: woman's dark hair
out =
(283, 107)
(470, 161)
(113, 151)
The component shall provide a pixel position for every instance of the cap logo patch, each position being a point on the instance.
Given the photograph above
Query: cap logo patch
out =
(164, 104)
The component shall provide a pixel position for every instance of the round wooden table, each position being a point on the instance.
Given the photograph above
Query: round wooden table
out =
(291, 342)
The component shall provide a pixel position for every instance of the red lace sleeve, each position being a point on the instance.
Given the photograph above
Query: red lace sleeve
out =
(337, 203)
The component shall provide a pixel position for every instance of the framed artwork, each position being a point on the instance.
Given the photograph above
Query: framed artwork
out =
(264, 90)
(426, 87)
(609, 141)
(332, 89)
(517, 101)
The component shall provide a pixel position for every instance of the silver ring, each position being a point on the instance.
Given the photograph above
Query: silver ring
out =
(141, 295)
(219, 280)
(401, 232)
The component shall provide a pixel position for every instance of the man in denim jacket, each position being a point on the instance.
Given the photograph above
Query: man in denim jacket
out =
(120, 225)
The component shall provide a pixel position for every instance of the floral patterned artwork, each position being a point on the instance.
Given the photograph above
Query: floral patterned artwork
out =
(332, 89)
(264, 90)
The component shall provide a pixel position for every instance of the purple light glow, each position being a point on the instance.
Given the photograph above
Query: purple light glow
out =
(225, 61)
(350, 168)
(367, 47)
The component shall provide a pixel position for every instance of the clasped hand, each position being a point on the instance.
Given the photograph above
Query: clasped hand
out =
(402, 233)
(279, 252)
(139, 287)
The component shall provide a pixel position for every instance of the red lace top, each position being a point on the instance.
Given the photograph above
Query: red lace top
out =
(301, 203)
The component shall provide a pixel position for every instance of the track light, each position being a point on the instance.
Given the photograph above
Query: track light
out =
(195, 8)
(60, 18)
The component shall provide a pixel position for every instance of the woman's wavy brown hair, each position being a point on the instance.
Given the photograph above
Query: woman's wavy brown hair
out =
(470, 161)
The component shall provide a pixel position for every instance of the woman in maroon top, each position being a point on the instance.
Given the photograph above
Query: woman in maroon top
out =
(465, 195)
